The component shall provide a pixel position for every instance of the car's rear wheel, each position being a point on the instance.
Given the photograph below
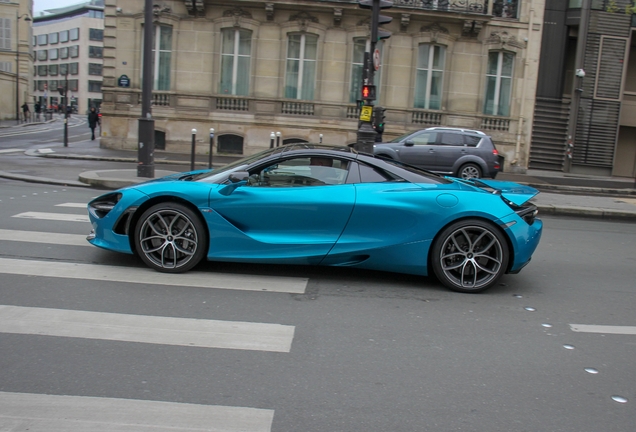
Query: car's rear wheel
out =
(469, 256)
(468, 171)
(170, 237)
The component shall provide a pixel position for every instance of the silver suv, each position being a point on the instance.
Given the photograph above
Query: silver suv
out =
(457, 152)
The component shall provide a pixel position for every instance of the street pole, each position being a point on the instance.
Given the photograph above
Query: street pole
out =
(146, 128)
(211, 148)
(17, 62)
(66, 109)
(577, 83)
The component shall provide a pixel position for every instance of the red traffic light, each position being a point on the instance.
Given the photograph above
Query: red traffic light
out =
(368, 92)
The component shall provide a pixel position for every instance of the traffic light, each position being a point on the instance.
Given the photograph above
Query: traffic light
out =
(61, 90)
(368, 92)
(377, 19)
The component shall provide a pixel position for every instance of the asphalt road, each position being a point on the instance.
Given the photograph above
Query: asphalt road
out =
(285, 348)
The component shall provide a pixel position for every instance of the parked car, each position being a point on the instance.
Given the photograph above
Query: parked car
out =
(313, 204)
(456, 152)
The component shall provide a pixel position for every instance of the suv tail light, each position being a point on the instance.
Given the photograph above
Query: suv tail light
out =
(497, 159)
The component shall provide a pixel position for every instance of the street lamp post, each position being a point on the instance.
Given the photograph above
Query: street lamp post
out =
(17, 61)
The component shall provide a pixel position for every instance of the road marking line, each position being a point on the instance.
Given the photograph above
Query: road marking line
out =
(149, 277)
(44, 237)
(45, 413)
(53, 216)
(11, 150)
(187, 332)
(583, 328)
(73, 205)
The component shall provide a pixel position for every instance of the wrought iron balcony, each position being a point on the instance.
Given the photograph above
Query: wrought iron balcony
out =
(474, 6)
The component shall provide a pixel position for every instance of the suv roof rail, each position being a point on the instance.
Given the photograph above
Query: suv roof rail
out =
(456, 129)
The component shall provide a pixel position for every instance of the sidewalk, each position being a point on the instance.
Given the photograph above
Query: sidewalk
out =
(561, 194)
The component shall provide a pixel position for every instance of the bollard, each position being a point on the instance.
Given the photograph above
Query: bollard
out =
(211, 148)
(320, 138)
(272, 136)
(194, 137)
(277, 139)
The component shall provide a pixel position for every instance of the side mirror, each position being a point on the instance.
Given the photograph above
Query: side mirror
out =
(409, 143)
(239, 176)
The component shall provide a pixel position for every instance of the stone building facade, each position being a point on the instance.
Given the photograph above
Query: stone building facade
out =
(15, 70)
(250, 68)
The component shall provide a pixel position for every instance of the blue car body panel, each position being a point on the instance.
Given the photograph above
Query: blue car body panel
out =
(388, 226)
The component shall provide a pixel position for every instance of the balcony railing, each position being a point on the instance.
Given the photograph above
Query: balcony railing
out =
(500, 8)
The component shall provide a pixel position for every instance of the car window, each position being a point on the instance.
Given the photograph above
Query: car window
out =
(425, 138)
(369, 174)
(301, 171)
(471, 140)
(453, 139)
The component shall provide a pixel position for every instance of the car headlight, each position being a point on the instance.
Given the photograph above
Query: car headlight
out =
(101, 206)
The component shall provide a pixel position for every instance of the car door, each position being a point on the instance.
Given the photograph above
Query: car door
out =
(289, 211)
(451, 148)
(420, 150)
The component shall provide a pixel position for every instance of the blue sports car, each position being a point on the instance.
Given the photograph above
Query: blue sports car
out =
(322, 205)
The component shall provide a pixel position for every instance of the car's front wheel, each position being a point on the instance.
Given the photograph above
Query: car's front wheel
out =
(469, 171)
(170, 237)
(469, 256)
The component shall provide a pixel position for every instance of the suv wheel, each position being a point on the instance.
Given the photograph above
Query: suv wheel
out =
(469, 171)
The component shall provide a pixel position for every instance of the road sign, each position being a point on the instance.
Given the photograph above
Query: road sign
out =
(365, 113)
(376, 59)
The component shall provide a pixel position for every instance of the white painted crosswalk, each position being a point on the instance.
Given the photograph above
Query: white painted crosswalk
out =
(47, 413)
(146, 329)
(39, 412)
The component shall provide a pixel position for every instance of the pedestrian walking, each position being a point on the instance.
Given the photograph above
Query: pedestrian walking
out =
(93, 119)
(38, 109)
(25, 111)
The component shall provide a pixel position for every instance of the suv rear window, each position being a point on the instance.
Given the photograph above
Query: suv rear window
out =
(471, 140)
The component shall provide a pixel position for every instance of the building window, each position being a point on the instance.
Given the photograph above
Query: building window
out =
(42, 39)
(360, 46)
(96, 34)
(95, 86)
(96, 14)
(5, 33)
(74, 68)
(42, 70)
(499, 83)
(53, 38)
(63, 68)
(73, 85)
(506, 8)
(74, 51)
(53, 54)
(5, 66)
(74, 34)
(64, 36)
(95, 69)
(300, 76)
(53, 70)
(42, 55)
(228, 143)
(235, 61)
(41, 85)
(64, 52)
(53, 85)
(161, 57)
(95, 52)
(429, 76)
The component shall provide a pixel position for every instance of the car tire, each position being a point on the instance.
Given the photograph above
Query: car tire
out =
(469, 256)
(170, 238)
(468, 171)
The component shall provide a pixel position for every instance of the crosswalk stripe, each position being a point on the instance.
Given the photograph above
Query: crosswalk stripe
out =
(44, 237)
(53, 216)
(148, 277)
(188, 332)
(45, 413)
(72, 205)
(584, 328)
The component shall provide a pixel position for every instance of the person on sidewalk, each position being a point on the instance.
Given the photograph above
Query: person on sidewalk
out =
(25, 112)
(93, 119)
(37, 108)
